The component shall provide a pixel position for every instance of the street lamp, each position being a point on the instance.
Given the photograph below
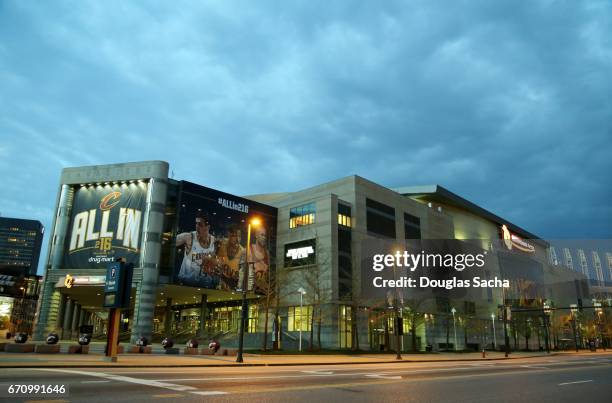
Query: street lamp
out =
(573, 313)
(547, 310)
(598, 311)
(453, 311)
(493, 319)
(398, 317)
(255, 222)
(302, 291)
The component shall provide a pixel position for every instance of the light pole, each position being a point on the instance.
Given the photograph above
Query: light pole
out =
(21, 310)
(546, 310)
(598, 311)
(302, 292)
(245, 275)
(573, 313)
(398, 321)
(453, 311)
(494, 339)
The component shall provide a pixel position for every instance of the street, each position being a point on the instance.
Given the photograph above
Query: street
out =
(542, 379)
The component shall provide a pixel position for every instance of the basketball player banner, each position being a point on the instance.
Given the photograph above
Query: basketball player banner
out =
(212, 236)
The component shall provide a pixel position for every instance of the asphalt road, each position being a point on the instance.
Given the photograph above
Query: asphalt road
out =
(542, 379)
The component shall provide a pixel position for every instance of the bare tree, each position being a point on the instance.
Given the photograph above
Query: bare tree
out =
(415, 316)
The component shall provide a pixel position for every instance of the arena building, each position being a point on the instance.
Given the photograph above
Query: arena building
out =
(307, 281)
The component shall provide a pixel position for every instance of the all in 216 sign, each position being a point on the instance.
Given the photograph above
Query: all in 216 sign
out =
(106, 223)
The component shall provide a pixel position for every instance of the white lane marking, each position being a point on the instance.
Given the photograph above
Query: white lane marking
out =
(147, 382)
(94, 381)
(533, 366)
(571, 383)
(319, 372)
(383, 376)
(246, 378)
(209, 393)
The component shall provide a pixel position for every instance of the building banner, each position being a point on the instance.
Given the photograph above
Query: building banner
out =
(106, 223)
(211, 240)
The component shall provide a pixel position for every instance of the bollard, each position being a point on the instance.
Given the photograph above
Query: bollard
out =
(484, 354)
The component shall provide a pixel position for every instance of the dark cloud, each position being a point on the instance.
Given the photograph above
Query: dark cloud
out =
(505, 103)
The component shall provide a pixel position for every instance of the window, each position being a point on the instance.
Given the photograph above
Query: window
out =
(412, 226)
(380, 219)
(302, 215)
(344, 215)
(344, 241)
(299, 318)
(345, 277)
(345, 327)
(226, 318)
(344, 220)
(253, 316)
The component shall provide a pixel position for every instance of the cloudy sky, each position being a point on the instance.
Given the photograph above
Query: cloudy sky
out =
(508, 104)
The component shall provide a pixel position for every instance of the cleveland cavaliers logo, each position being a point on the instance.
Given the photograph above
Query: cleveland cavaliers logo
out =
(110, 200)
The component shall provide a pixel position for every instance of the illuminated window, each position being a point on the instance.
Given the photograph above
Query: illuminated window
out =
(345, 327)
(253, 316)
(344, 220)
(299, 318)
(344, 215)
(302, 215)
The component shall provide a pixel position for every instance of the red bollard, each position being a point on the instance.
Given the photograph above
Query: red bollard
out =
(484, 354)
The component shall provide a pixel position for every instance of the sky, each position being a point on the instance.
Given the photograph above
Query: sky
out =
(508, 104)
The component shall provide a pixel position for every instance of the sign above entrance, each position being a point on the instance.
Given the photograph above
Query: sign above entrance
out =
(71, 281)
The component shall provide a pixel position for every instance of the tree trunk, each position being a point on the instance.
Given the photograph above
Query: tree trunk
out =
(386, 332)
(319, 320)
(447, 332)
(265, 335)
(311, 341)
(526, 342)
(413, 331)
(354, 328)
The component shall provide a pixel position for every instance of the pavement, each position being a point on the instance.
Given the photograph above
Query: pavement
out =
(96, 359)
(557, 378)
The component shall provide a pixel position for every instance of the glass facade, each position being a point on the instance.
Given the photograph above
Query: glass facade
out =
(299, 318)
(345, 326)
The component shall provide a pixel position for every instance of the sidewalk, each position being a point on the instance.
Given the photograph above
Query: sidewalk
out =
(95, 360)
